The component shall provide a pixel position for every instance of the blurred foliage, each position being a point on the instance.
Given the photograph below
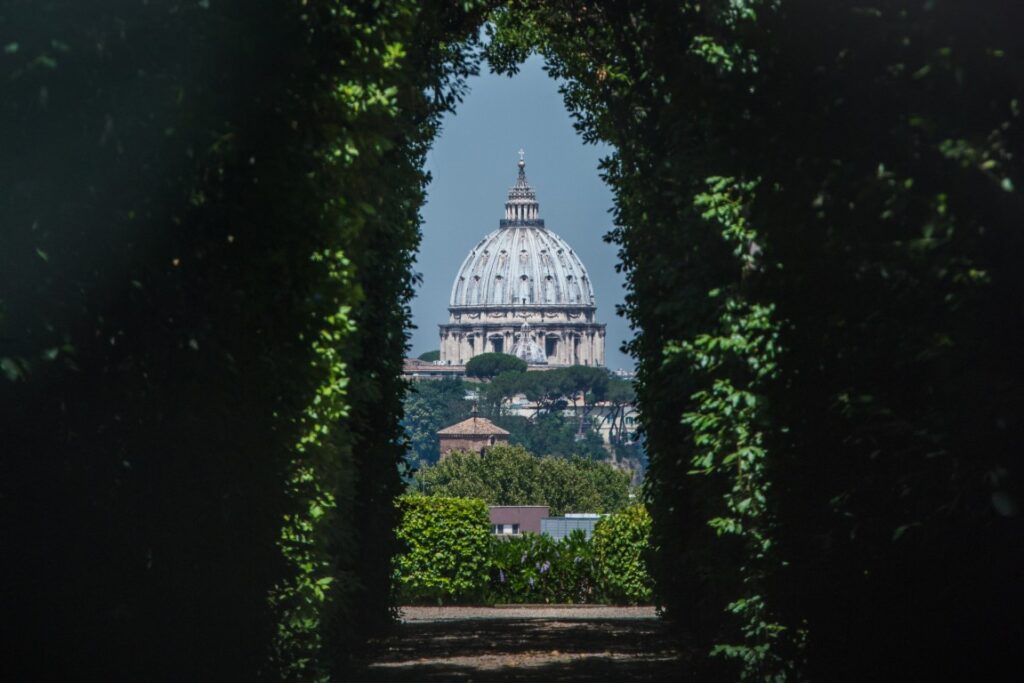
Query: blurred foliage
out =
(209, 212)
(510, 475)
(446, 550)
(817, 211)
(430, 356)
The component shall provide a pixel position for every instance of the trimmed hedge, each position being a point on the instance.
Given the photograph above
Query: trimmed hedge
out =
(447, 543)
(536, 568)
(209, 212)
(621, 544)
(452, 557)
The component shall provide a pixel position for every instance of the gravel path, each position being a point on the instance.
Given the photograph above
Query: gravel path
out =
(424, 614)
(526, 643)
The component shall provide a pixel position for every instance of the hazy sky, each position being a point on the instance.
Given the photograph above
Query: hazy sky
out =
(473, 164)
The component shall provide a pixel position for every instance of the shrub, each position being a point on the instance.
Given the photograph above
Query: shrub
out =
(537, 568)
(447, 544)
(620, 546)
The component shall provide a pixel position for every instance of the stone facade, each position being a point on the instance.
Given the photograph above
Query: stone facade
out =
(523, 288)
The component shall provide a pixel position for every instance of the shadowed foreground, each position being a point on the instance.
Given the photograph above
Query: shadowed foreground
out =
(565, 643)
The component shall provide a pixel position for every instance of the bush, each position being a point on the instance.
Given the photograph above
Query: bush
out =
(451, 557)
(620, 546)
(447, 549)
(537, 568)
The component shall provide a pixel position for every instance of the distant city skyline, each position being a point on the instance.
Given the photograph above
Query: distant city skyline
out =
(473, 163)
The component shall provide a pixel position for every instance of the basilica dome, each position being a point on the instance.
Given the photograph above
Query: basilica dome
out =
(523, 290)
(522, 264)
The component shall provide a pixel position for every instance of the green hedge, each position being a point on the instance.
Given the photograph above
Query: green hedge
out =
(209, 211)
(447, 544)
(451, 556)
(817, 210)
(535, 568)
(621, 545)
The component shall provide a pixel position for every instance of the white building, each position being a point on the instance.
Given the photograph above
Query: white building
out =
(523, 290)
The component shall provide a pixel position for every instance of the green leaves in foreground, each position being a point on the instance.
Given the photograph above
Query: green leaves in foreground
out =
(447, 543)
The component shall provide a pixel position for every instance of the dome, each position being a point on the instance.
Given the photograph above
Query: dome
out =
(522, 263)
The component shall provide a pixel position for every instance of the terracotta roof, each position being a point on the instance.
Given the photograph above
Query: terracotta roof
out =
(473, 426)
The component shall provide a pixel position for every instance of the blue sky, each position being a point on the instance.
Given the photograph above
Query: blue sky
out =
(473, 163)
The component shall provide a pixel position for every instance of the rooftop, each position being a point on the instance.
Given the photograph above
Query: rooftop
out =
(473, 426)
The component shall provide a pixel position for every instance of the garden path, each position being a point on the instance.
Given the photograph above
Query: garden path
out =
(559, 643)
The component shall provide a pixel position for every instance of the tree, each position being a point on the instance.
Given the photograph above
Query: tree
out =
(586, 385)
(620, 394)
(510, 475)
(489, 365)
(430, 356)
(430, 406)
(553, 434)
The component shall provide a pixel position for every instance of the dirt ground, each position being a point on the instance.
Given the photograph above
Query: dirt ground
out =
(526, 643)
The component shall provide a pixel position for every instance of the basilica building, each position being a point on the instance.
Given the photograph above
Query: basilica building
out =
(523, 290)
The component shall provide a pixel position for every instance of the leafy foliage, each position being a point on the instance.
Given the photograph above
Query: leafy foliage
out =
(816, 206)
(429, 407)
(621, 547)
(534, 568)
(489, 365)
(554, 434)
(509, 475)
(430, 356)
(452, 557)
(447, 549)
(209, 213)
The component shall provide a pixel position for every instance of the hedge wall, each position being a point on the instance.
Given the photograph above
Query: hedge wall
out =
(446, 549)
(817, 206)
(209, 211)
(450, 556)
